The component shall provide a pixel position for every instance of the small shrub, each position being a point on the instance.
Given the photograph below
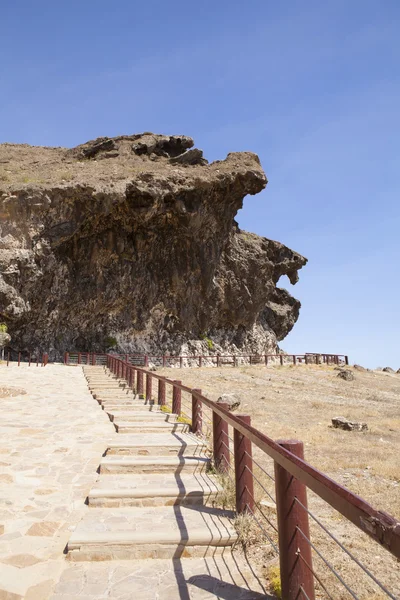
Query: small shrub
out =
(247, 530)
(208, 340)
(274, 577)
(111, 342)
(3, 328)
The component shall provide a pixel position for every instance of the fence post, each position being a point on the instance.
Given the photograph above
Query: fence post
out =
(19, 358)
(243, 469)
(234, 360)
(29, 359)
(346, 360)
(200, 361)
(176, 398)
(8, 359)
(79, 358)
(180, 362)
(266, 360)
(140, 383)
(306, 359)
(294, 551)
(221, 440)
(281, 359)
(164, 360)
(197, 413)
(161, 392)
(217, 360)
(146, 361)
(294, 359)
(149, 382)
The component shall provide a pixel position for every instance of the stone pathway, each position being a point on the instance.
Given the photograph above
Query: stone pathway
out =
(148, 519)
(51, 442)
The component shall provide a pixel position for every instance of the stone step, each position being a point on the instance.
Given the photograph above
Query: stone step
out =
(153, 489)
(142, 408)
(209, 578)
(161, 532)
(158, 444)
(149, 427)
(152, 464)
(140, 415)
(113, 396)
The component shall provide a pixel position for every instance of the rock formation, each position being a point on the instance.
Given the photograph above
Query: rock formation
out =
(130, 243)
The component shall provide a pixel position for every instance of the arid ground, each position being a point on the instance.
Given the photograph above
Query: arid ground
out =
(299, 402)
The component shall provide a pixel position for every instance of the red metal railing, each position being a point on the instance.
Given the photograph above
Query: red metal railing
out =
(218, 360)
(30, 358)
(293, 476)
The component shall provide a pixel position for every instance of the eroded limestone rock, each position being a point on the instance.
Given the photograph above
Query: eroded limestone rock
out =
(139, 252)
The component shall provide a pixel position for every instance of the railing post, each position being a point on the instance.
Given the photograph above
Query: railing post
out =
(217, 360)
(306, 359)
(200, 361)
(87, 358)
(346, 360)
(294, 359)
(149, 381)
(266, 360)
(234, 360)
(197, 414)
(317, 359)
(146, 361)
(29, 359)
(294, 551)
(79, 358)
(243, 469)
(176, 398)
(19, 358)
(221, 441)
(180, 362)
(164, 360)
(140, 383)
(161, 392)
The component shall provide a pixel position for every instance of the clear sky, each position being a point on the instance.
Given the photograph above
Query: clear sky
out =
(313, 87)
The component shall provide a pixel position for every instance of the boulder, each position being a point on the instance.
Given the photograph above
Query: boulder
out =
(346, 425)
(346, 375)
(359, 368)
(231, 399)
(388, 370)
(5, 339)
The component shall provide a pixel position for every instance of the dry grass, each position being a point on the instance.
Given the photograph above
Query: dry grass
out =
(299, 402)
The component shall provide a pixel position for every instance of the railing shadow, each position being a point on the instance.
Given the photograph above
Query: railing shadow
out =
(206, 581)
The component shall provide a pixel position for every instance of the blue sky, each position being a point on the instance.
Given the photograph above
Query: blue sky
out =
(312, 87)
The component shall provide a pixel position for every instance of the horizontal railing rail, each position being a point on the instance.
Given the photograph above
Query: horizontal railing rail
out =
(293, 476)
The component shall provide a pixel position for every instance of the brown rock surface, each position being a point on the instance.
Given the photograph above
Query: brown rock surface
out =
(131, 243)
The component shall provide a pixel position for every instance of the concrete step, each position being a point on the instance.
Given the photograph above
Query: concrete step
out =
(153, 489)
(158, 444)
(164, 532)
(140, 415)
(149, 426)
(152, 464)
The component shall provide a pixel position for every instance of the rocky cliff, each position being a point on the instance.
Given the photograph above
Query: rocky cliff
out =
(130, 243)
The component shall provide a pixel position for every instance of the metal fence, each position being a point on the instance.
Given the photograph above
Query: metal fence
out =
(217, 360)
(29, 358)
(275, 498)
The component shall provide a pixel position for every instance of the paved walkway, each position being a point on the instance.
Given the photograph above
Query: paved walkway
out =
(148, 516)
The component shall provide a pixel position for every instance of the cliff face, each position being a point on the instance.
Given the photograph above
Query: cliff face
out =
(130, 243)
